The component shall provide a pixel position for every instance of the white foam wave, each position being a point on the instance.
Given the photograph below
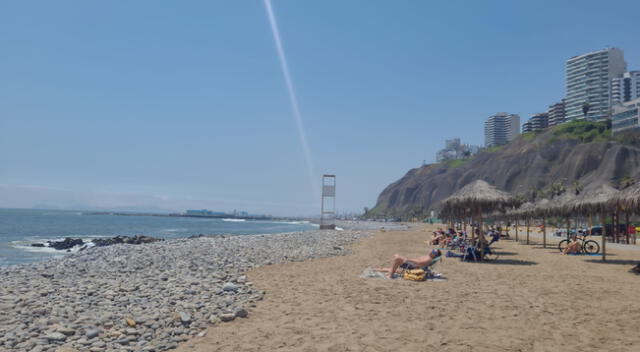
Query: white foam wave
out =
(234, 220)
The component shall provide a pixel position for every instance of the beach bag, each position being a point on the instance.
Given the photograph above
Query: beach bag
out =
(414, 274)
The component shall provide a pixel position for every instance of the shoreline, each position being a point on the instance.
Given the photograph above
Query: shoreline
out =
(148, 297)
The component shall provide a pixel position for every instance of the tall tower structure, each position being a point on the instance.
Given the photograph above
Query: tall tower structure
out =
(589, 79)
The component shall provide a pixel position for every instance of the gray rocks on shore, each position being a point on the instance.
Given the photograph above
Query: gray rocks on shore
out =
(144, 298)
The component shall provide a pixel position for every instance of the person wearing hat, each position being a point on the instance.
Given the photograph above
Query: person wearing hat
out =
(399, 262)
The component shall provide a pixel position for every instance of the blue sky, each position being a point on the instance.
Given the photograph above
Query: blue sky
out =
(165, 105)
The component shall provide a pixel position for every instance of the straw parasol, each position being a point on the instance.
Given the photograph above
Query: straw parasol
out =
(475, 199)
(599, 200)
(526, 210)
(628, 199)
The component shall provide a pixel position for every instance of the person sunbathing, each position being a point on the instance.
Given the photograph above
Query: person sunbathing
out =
(400, 262)
(438, 237)
(574, 247)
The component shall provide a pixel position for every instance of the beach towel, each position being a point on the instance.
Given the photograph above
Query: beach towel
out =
(370, 273)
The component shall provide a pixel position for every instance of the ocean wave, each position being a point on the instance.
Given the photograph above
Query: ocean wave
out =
(292, 222)
(234, 220)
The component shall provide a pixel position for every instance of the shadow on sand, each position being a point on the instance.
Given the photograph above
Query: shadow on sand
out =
(501, 253)
(501, 261)
(614, 261)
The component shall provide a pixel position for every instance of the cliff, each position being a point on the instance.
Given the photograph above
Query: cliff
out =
(577, 154)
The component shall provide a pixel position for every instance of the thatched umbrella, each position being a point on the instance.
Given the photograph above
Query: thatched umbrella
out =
(628, 201)
(475, 199)
(541, 209)
(597, 201)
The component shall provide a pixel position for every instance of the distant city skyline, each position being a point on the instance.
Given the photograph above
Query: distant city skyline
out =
(157, 105)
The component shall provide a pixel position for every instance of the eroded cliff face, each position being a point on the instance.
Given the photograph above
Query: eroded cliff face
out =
(522, 167)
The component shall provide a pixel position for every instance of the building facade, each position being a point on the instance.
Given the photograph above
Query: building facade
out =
(626, 87)
(501, 129)
(454, 149)
(556, 113)
(625, 117)
(537, 122)
(588, 82)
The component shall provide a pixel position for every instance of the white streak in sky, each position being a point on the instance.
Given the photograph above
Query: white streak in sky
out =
(292, 97)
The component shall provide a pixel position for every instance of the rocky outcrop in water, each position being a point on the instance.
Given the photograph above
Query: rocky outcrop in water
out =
(137, 239)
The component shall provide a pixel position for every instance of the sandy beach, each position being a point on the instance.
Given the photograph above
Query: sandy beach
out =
(529, 299)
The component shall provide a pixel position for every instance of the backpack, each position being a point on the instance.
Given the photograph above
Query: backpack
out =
(414, 274)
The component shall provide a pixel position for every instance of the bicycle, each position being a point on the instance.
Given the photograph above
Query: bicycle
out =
(587, 246)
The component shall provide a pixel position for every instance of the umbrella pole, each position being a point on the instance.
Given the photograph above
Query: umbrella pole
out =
(544, 232)
(568, 226)
(626, 226)
(590, 224)
(516, 229)
(604, 238)
(528, 219)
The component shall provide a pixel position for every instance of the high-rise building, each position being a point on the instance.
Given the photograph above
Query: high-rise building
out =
(537, 122)
(588, 83)
(625, 87)
(501, 129)
(556, 113)
(626, 116)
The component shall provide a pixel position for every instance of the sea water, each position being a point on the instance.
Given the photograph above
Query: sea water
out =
(19, 228)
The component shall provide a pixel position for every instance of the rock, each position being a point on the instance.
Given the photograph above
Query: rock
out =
(37, 245)
(131, 331)
(185, 318)
(130, 322)
(67, 331)
(55, 336)
(227, 317)
(66, 349)
(202, 333)
(241, 313)
(229, 287)
(65, 244)
(91, 333)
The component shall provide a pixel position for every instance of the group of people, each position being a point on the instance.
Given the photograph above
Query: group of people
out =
(442, 239)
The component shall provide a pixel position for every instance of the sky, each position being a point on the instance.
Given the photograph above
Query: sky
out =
(167, 106)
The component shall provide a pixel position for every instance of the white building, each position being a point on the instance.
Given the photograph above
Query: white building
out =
(589, 79)
(556, 113)
(625, 87)
(454, 149)
(501, 129)
(625, 116)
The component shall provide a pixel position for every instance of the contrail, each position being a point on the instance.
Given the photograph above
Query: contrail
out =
(292, 97)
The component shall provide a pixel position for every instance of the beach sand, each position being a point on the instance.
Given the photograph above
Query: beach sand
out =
(530, 299)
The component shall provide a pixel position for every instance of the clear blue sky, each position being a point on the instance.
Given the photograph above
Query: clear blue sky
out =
(172, 105)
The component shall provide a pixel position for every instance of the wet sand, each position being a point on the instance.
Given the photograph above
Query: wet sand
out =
(530, 299)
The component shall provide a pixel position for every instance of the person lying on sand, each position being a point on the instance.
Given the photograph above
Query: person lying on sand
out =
(573, 247)
(400, 262)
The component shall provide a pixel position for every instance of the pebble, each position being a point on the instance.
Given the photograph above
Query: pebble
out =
(149, 297)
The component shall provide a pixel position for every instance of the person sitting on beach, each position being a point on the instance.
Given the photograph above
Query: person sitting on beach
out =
(573, 247)
(438, 237)
(400, 262)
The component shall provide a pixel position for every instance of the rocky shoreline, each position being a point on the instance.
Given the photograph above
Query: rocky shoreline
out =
(148, 297)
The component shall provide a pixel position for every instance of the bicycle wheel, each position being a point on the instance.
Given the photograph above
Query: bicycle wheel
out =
(591, 247)
(562, 245)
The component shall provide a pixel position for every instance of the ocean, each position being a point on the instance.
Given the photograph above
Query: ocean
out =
(19, 228)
